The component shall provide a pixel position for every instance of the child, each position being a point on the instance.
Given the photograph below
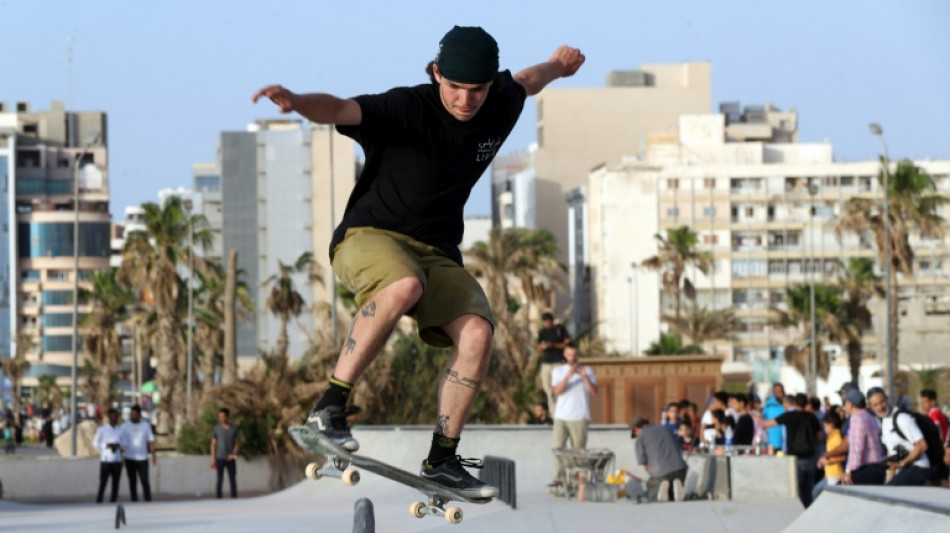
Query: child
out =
(834, 468)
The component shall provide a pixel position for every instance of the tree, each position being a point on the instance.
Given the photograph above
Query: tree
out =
(828, 310)
(102, 348)
(230, 323)
(16, 367)
(913, 204)
(284, 301)
(48, 393)
(860, 284)
(670, 343)
(700, 325)
(677, 251)
(512, 258)
(150, 261)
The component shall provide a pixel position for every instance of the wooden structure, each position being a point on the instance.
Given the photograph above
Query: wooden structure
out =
(641, 386)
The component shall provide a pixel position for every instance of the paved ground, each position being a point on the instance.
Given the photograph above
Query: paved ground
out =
(34, 450)
(327, 505)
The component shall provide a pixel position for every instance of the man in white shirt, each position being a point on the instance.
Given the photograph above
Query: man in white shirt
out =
(573, 385)
(137, 443)
(906, 447)
(108, 440)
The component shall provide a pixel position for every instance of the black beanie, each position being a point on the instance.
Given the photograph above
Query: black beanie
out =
(468, 55)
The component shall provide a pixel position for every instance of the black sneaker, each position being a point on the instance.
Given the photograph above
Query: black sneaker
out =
(452, 474)
(331, 421)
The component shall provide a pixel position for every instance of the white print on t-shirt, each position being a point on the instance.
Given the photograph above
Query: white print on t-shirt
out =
(487, 149)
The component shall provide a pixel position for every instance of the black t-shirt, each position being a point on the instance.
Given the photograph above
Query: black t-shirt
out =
(421, 162)
(745, 431)
(801, 428)
(555, 334)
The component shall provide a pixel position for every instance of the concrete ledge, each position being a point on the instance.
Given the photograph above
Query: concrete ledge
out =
(838, 508)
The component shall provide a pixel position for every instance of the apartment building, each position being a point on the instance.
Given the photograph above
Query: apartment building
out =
(42, 154)
(764, 205)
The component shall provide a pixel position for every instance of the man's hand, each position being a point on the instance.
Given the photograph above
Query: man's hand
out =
(845, 479)
(284, 98)
(893, 465)
(568, 60)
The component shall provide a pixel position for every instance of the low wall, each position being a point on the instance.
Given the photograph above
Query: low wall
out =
(188, 476)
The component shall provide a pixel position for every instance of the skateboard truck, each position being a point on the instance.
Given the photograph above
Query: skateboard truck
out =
(336, 466)
(453, 515)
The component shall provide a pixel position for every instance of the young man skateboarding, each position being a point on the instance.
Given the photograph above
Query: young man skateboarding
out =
(397, 246)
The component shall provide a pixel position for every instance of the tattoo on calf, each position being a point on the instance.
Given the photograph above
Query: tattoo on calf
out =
(350, 344)
(369, 310)
(453, 377)
(442, 425)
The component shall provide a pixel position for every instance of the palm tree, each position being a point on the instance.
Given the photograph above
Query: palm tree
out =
(102, 349)
(913, 206)
(150, 261)
(860, 284)
(670, 343)
(700, 325)
(526, 258)
(16, 367)
(284, 301)
(229, 315)
(828, 313)
(49, 393)
(677, 251)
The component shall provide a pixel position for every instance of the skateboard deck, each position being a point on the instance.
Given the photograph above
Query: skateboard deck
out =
(339, 463)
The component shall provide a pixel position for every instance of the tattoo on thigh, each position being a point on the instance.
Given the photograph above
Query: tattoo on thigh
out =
(453, 377)
(442, 424)
(369, 310)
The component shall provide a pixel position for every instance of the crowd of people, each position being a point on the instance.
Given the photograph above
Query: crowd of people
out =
(31, 424)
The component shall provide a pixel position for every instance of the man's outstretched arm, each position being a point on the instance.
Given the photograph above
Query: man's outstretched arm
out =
(563, 63)
(315, 107)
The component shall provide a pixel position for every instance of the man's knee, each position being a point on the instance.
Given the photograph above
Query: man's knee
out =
(476, 338)
(406, 291)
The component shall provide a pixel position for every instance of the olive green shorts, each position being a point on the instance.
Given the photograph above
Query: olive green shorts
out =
(369, 259)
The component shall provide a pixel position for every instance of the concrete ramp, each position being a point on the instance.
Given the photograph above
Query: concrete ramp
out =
(899, 509)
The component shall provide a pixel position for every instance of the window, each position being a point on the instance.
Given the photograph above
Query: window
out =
(846, 181)
(673, 183)
(829, 181)
(710, 238)
(770, 211)
(58, 320)
(58, 343)
(776, 267)
(735, 213)
(30, 275)
(57, 297)
(673, 212)
(55, 239)
(207, 183)
(709, 211)
(57, 275)
(709, 183)
(749, 212)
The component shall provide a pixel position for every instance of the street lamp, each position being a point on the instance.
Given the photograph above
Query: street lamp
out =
(878, 131)
(813, 360)
(634, 308)
(74, 370)
(189, 203)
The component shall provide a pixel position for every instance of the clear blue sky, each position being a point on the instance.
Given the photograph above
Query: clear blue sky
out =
(172, 74)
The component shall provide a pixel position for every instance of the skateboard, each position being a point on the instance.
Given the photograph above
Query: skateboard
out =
(340, 463)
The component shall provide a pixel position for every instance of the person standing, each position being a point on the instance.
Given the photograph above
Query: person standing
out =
(552, 339)
(928, 406)
(833, 467)
(865, 463)
(48, 433)
(137, 443)
(802, 431)
(397, 246)
(904, 440)
(225, 443)
(745, 426)
(108, 441)
(660, 456)
(574, 384)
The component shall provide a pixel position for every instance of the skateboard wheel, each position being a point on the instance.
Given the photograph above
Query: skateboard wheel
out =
(415, 509)
(313, 471)
(351, 477)
(453, 515)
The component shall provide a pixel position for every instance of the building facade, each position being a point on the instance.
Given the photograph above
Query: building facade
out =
(763, 205)
(43, 154)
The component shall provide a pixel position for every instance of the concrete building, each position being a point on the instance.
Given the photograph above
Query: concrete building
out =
(742, 183)
(278, 201)
(38, 162)
(581, 128)
(206, 183)
(134, 221)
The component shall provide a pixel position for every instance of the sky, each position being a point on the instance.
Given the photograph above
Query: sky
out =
(173, 74)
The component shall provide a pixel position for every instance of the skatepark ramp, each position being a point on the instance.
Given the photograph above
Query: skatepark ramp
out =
(883, 509)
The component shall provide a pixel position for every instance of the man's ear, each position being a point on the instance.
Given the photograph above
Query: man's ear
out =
(435, 73)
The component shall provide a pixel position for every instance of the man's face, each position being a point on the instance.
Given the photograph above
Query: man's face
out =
(540, 412)
(878, 404)
(673, 413)
(778, 391)
(223, 418)
(926, 404)
(461, 100)
(548, 324)
(135, 416)
(113, 419)
(570, 355)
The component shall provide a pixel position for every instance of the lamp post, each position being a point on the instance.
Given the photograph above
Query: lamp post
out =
(189, 204)
(75, 339)
(811, 386)
(878, 131)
